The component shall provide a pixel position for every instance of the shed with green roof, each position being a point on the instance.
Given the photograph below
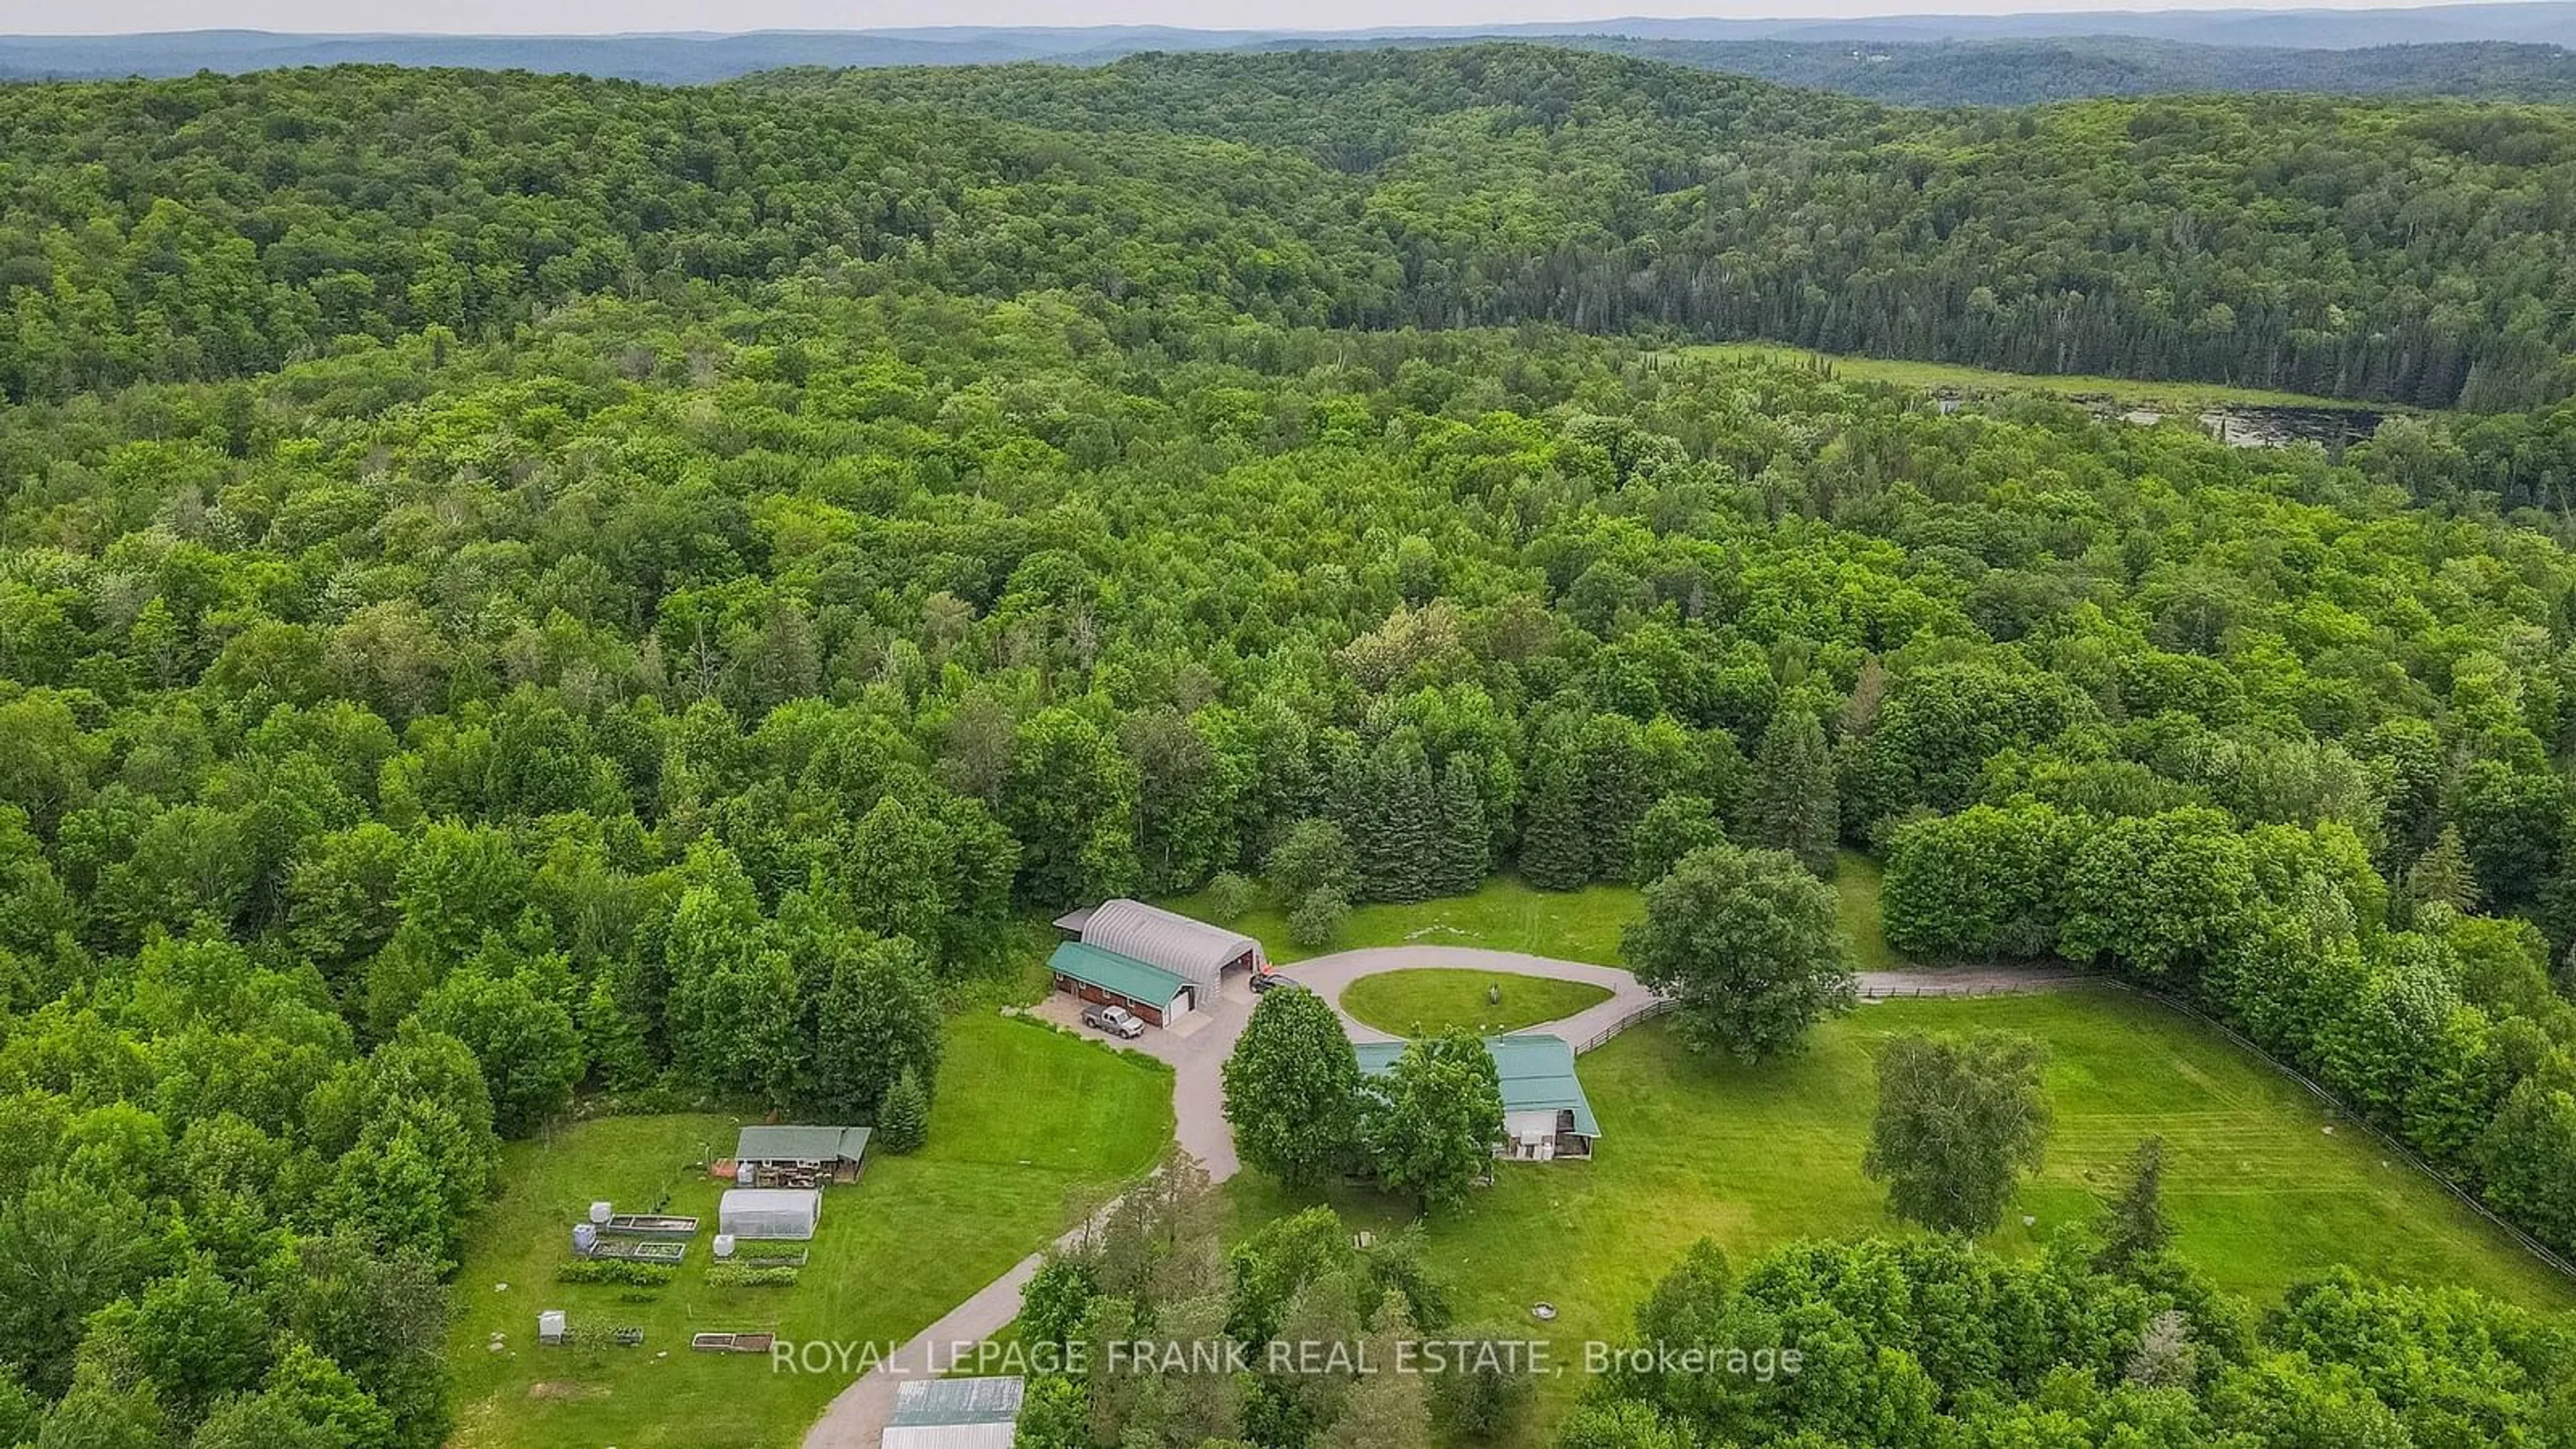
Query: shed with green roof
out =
(797, 1155)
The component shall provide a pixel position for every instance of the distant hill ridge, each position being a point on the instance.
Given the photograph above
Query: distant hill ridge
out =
(2501, 51)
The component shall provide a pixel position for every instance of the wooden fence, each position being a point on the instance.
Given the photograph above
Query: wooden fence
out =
(2316, 1089)
(2322, 1093)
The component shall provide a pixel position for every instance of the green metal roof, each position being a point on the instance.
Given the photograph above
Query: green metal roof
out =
(1536, 1073)
(800, 1144)
(922, 1402)
(1121, 975)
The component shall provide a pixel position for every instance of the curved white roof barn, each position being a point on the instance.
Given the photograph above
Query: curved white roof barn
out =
(1193, 950)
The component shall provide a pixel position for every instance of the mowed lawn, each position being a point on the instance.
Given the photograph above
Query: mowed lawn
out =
(1756, 1156)
(1506, 915)
(1857, 880)
(1432, 1000)
(1031, 1128)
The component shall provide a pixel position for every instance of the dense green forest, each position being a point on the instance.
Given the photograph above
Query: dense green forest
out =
(1929, 1343)
(515, 586)
(209, 227)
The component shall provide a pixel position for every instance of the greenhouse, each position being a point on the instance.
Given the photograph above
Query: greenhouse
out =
(769, 1212)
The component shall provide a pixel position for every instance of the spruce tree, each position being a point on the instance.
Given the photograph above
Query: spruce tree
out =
(2135, 1227)
(1462, 860)
(1556, 837)
(2442, 876)
(1618, 790)
(903, 1119)
(1789, 802)
(1402, 837)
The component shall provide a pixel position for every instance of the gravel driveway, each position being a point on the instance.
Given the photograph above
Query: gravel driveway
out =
(856, 1419)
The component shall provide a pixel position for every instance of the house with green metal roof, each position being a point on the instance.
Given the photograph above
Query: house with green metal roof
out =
(1545, 1114)
(798, 1156)
(1104, 977)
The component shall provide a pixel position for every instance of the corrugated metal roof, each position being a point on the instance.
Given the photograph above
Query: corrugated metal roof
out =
(1163, 938)
(1536, 1072)
(1123, 975)
(993, 1400)
(800, 1144)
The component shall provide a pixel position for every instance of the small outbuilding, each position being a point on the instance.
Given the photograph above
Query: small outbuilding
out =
(1106, 978)
(1545, 1114)
(769, 1212)
(798, 1156)
(979, 1413)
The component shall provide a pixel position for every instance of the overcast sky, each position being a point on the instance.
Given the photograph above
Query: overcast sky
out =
(543, 17)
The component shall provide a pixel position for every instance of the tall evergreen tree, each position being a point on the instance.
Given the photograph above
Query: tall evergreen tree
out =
(2442, 875)
(2136, 1227)
(1401, 805)
(903, 1119)
(1556, 835)
(1789, 802)
(1463, 858)
(1619, 787)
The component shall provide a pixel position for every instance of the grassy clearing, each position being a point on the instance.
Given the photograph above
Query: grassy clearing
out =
(1411, 1003)
(1856, 887)
(1753, 1157)
(1031, 1126)
(1506, 915)
(2130, 391)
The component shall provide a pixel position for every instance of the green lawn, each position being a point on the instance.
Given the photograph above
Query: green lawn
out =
(1031, 1127)
(1410, 1003)
(2133, 392)
(1856, 883)
(1756, 1156)
(1506, 915)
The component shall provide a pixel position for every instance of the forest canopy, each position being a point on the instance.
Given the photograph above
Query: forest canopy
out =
(215, 226)
(515, 586)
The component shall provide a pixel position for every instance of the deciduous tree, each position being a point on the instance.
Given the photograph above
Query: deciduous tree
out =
(1292, 1090)
(1750, 946)
(1960, 1121)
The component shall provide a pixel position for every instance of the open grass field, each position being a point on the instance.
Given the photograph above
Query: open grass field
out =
(1507, 915)
(1412, 1003)
(1031, 1127)
(2133, 392)
(1753, 1157)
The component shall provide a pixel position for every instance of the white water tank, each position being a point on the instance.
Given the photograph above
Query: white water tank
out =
(601, 1212)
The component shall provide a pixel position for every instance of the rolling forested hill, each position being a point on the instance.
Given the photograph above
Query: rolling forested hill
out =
(2512, 51)
(517, 586)
(2025, 72)
(2412, 253)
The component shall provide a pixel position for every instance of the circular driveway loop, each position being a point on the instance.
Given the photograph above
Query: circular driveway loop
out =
(856, 1419)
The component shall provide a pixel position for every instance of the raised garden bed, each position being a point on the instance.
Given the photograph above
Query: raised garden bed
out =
(731, 1342)
(649, 1225)
(637, 1251)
